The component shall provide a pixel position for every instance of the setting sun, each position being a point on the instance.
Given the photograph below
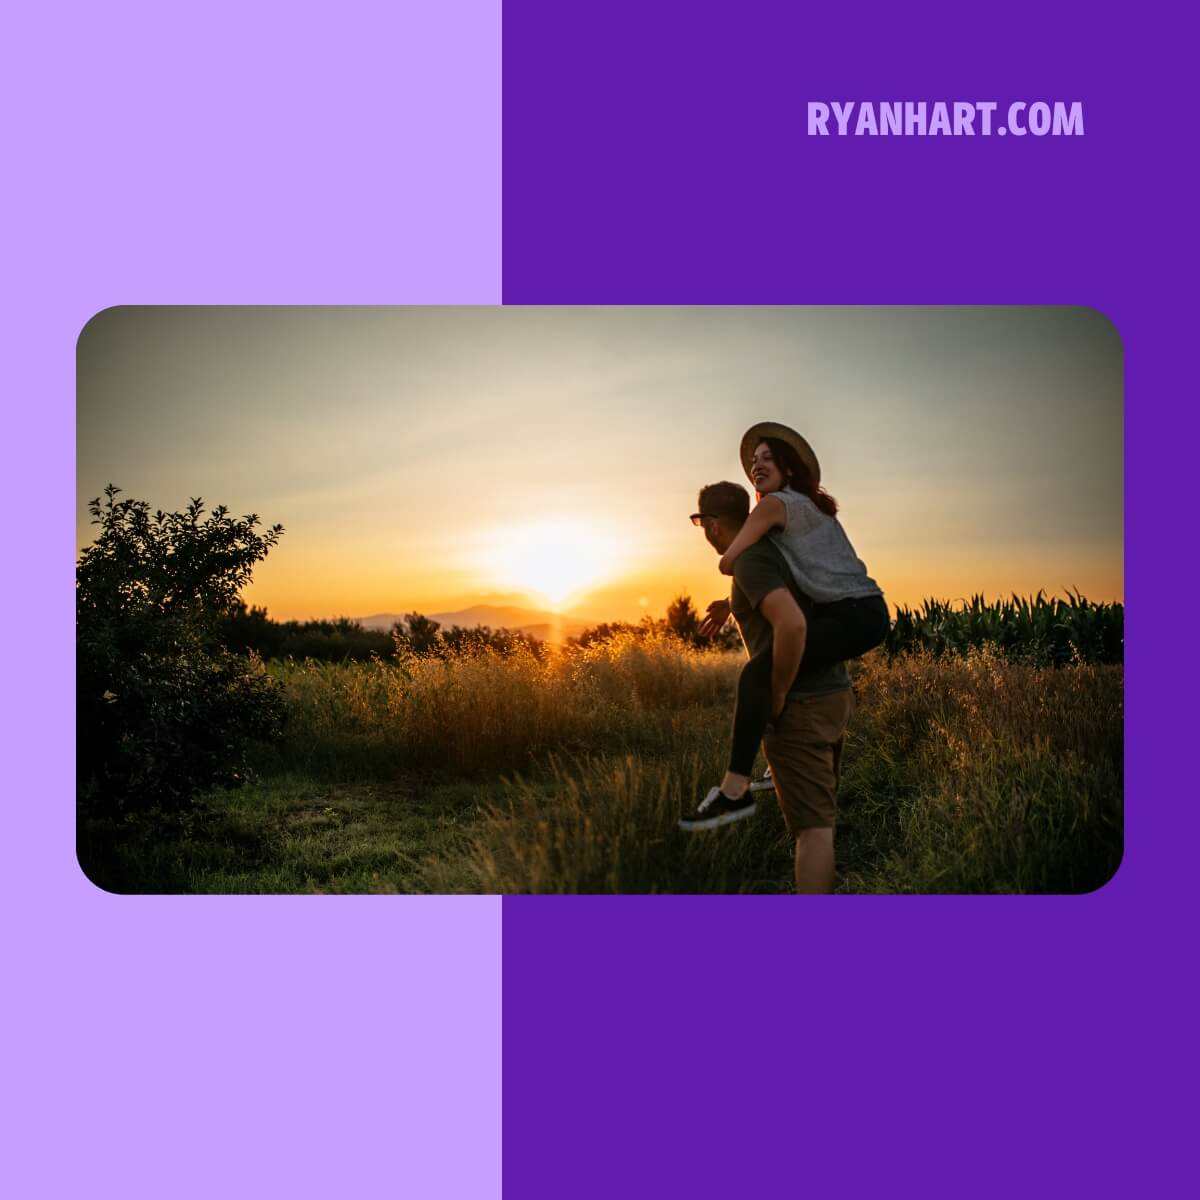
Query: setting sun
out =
(546, 459)
(554, 559)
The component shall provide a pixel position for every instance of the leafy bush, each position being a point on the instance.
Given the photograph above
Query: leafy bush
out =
(163, 709)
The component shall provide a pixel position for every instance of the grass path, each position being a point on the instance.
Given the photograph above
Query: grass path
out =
(289, 834)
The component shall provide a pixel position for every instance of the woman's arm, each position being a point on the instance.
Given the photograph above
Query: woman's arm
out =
(768, 514)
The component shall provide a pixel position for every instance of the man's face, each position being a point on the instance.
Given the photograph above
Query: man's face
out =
(716, 533)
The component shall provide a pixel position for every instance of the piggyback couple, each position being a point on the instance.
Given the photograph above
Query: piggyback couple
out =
(804, 604)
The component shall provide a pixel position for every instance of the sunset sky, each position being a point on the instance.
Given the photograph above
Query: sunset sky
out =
(435, 458)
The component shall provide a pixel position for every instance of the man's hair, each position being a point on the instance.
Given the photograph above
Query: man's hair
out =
(729, 501)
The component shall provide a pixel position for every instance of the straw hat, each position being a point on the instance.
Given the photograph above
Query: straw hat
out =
(772, 429)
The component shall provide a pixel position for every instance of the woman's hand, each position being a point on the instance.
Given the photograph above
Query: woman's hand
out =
(768, 514)
(714, 622)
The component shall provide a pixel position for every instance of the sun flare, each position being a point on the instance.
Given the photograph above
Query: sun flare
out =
(555, 559)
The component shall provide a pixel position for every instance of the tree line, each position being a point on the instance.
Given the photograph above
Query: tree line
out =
(243, 629)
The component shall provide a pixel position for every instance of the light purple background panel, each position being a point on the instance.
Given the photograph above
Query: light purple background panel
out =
(859, 1046)
(226, 153)
(240, 1046)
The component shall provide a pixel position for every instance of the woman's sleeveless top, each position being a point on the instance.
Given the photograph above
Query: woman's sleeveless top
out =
(819, 553)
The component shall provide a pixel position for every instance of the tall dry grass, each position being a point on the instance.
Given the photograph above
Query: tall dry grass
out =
(961, 775)
(976, 774)
(494, 712)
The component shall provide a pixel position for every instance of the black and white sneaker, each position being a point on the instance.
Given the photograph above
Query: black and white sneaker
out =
(718, 809)
(764, 784)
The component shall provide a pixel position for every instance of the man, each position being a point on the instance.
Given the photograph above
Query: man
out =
(809, 710)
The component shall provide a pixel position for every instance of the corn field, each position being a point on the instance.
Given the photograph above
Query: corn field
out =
(1041, 631)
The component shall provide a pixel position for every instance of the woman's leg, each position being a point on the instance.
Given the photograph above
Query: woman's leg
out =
(752, 711)
(836, 632)
(845, 630)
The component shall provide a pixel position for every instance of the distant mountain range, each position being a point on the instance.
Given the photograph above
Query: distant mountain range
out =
(529, 621)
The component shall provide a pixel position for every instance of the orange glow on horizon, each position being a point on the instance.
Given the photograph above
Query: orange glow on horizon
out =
(631, 597)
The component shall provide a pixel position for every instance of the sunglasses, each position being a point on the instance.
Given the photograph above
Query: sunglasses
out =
(698, 517)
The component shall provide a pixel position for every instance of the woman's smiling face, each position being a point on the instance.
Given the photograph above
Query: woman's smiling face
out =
(765, 471)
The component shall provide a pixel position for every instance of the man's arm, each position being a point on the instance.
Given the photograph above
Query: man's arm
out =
(789, 632)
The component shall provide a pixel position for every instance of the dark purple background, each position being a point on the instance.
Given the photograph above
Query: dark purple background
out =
(872, 1046)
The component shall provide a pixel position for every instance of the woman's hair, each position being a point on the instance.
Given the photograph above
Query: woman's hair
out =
(798, 476)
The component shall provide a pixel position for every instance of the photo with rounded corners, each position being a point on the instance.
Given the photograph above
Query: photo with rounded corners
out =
(600, 600)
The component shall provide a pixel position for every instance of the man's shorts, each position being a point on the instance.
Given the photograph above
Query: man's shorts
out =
(804, 750)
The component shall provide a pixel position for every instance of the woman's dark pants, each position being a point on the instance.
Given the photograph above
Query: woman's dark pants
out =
(839, 631)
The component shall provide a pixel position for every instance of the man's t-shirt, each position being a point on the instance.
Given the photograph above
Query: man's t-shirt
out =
(758, 571)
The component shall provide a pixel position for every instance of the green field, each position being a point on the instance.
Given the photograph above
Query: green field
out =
(566, 772)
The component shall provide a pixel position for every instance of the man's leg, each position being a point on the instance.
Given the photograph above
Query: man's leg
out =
(804, 751)
(814, 861)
